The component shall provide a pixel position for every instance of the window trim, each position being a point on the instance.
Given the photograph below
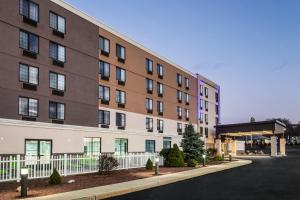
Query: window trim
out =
(57, 45)
(119, 58)
(29, 139)
(103, 52)
(121, 69)
(52, 72)
(148, 146)
(56, 118)
(28, 43)
(38, 107)
(28, 17)
(103, 117)
(147, 66)
(100, 150)
(38, 77)
(158, 70)
(160, 129)
(104, 100)
(56, 29)
(121, 91)
(149, 129)
(103, 77)
(122, 114)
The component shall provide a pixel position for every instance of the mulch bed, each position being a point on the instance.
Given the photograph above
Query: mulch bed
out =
(40, 187)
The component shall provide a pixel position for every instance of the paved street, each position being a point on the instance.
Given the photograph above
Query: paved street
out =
(268, 178)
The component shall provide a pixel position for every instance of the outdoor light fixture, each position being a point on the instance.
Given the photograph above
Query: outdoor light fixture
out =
(24, 181)
(230, 157)
(203, 162)
(156, 166)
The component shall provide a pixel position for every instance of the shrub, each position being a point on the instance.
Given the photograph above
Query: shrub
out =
(149, 165)
(107, 164)
(192, 163)
(55, 178)
(218, 158)
(175, 157)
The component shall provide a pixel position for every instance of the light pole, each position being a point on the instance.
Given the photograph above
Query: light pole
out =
(156, 166)
(230, 157)
(24, 182)
(203, 162)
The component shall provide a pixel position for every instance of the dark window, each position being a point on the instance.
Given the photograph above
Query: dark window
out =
(187, 114)
(179, 112)
(167, 143)
(104, 70)
(206, 118)
(57, 81)
(217, 109)
(121, 52)
(160, 107)
(120, 120)
(57, 52)
(201, 117)
(149, 85)
(160, 125)
(217, 97)
(179, 128)
(121, 146)
(29, 9)
(187, 98)
(29, 42)
(201, 104)
(160, 70)
(92, 146)
(56, 110)
(120, 75)
(35, 147)
(179, 79)
(149, 66)
(104, 93)
(104, 45)
(201, 90)
(187, 83)
(57, 22)
(150, 146)
(206, 92)
(28, 107)
(160, 89)
(149, 104)
(201, 131)
(206, 132)
(104, 117)
(179, 95)
(149, 123)
(28, 74)
(206, 105)
(120, 97)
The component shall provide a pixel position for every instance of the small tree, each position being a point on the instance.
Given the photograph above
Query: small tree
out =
(55, 178)
(191, 144)
(149, 164)
(175, 157)
(107, 163)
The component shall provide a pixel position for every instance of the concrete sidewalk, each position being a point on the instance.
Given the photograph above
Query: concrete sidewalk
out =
(141, 184)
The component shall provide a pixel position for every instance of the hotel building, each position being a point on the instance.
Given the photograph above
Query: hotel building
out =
(70, 84)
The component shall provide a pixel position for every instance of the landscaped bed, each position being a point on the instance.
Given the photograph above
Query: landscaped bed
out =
(41, 187)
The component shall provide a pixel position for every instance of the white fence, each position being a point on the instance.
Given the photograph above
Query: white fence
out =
(67, 164)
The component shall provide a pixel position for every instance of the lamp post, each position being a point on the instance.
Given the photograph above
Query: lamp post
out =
(230, 157)
(24, 182)
(203, 162)
(156, 166)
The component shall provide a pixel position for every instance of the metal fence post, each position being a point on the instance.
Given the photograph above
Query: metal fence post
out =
(18, 167)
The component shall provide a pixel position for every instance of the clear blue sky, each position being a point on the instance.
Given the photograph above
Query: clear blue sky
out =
(251, 48)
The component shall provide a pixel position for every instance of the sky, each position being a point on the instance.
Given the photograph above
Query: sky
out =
(251, 48)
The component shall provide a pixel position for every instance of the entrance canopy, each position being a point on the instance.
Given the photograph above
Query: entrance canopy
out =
(266, 128)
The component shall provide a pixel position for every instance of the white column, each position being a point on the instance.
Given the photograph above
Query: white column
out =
(282, 147)
(273, 146)
(233, 147)
(219, 147)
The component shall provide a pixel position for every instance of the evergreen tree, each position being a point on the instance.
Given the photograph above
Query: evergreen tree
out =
(191, 144)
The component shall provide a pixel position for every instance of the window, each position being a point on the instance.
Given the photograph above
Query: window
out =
(217, 97)
(201, 104)
(167, 143)
(160, 107)
(149, 124)
(179, 96)
(57, 81)
(121, 53)
(104, 93)
(149, 66)
(120, 120)
(149, 85)
(104, 70)
(201, 131)
(217, 109)
(187, 83)
(120, 75)
(29, 42)
(201, 90)
(57, 52)
(150, 146)
(179, 128)
(104, 117)
(28, 107)
(206, 105)
(160, 125)
(160, 88)
(29, 10)
(35, 147)
(179, 112)
(160, 70)
(121, 146)
(104, 45)
(206, 119)
(206, 132)
(120, 97)
(149, 105)
(92, 146)
(28, 74)
(187, 98)
(179, 79)
(56, 110)
(206, 92)
(201, 118)
(187, 114)
(57, 22)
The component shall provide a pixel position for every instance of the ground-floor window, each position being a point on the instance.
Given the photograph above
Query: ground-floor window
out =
(167, 143)
(121, 146)
(150, 146)
(92, 146)
(34, 147)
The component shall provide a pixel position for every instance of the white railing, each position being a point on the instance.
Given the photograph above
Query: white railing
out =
(66, 164)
